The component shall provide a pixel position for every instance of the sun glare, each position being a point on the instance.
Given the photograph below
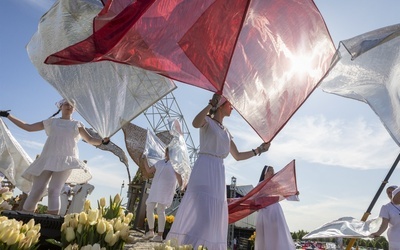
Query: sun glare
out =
(301, 64)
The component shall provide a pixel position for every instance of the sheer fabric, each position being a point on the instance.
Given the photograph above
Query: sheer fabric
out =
(106, 94)
(265, 57)
(280, 186)
(367, 69)
(13, 159)
(345, 227)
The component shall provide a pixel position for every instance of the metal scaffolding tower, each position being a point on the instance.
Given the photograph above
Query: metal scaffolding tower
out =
(164, 110)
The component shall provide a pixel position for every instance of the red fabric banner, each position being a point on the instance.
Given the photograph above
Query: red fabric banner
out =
(280, 186)
(264, 56)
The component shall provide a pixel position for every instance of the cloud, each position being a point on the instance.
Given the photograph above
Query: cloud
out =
(353, 143)
(32, 144)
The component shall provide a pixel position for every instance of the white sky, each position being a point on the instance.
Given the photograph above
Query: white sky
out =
(342, 151)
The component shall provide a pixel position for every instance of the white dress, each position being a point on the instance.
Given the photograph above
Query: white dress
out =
(272, 232)
(164, 183)
(60, 152)
(391, 212)
(202, 217)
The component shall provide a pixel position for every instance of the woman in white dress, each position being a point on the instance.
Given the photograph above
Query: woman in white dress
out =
(272, 232)
(202, 217)
(390, 214)
(161, 194)
(59, 155)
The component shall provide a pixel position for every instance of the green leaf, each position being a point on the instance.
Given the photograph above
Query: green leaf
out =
(54, 242)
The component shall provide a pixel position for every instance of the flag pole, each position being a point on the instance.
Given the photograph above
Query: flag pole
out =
(378, 193)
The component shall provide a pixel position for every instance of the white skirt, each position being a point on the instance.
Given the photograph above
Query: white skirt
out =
(202, 217)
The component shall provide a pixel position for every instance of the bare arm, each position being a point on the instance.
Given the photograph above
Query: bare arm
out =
(200, 120)
(382, 228)
(179, 179)
(25, 126)
(149, 170)
(239, 156)
(89, 139)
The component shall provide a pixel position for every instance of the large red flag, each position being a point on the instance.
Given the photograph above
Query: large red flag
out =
(280, 186)
(264, 56)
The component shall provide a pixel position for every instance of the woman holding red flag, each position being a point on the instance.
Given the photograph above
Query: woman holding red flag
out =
(202, 217)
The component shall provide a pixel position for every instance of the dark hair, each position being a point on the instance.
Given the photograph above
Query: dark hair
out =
(213, 110)
(263, 173)
(56, 113)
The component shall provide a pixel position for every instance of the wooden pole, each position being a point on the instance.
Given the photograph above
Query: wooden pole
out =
(378, 193)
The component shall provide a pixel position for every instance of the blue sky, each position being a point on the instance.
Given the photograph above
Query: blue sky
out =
(342, 150)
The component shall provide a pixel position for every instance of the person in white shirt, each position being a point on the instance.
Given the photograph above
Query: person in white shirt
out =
(161, 194)
(390, 214)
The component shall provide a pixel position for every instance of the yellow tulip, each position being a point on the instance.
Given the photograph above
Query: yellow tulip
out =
(129, 216)
(74, 222)
(102, 202)
(31, 233)
(69, 234)
(93, 216)
(82, 218)
(117, 225)
(79, 229)
(86, 206)
(31, 224)
(114, 239)
(109, 226)
(67, 219)
(126, 221)
(109, 236)
(64, 226)
(26, 243)
(101, 227)
(36, 227)
(12, 239)
(96, 246)
(69, 247)
(117, 198)
(124, 232)
(4, 236)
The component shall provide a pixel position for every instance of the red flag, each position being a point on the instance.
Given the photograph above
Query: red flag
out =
(280, 186)
(264, 56)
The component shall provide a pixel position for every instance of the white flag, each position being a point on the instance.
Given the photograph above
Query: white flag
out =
(13, 159)
(367, 68)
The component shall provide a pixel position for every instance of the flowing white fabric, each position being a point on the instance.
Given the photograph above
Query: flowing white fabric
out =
(178, 153)
(345, 227)
(13, 159)
(106, 94)
(202, 217)
(272, 231)
(367, 69)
